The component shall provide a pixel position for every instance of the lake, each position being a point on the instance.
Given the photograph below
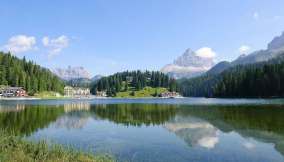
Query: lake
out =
(160, 130)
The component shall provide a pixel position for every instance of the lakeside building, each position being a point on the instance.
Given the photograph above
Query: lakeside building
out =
(76, 91)
(170, 95)
(101, 94)
(13, 92)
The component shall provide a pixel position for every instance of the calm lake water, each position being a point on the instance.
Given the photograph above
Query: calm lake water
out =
(162, 130)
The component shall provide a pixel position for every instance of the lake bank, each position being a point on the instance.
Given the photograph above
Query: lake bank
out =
(80, 98)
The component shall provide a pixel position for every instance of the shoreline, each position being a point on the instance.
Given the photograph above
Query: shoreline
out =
(82, 98)
(94, 97)
(19, 98)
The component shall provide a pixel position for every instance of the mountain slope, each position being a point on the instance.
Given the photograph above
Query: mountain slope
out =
(218, 68)
(96, 77)
(261, 79)
(274, 49)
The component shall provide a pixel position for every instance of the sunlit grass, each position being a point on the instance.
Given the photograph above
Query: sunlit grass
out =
(48, 95)
(145, 92)
(14, 149)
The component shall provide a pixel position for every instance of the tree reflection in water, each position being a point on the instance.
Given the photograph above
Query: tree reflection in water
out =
(198, 126)
(135, 114)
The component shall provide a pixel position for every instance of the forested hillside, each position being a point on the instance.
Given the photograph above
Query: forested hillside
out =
(252, 81)
(133, 81)
(201, 86)
(264, 79)
(19, 72)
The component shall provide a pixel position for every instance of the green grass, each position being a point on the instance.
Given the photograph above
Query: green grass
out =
(48, 95)
(145, 92)
(14, 149)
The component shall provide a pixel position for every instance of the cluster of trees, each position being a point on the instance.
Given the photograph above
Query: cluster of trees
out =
(201, 86)
(133, 80)
(264, 79)
(252, 81)
(22, 73)
(79, 82)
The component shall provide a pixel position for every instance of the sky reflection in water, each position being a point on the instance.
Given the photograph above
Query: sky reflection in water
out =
(156, 131)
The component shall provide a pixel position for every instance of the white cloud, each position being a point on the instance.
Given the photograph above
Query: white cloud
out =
(249, 145)
(205, 52)
(276, 18)
(55, 45)
(244, 49)
(20, 43)
(208, 142)
(45, 41)
(256, 15)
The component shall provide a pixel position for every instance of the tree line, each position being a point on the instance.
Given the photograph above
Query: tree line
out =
(134, 81)
(22, 73)
(201, 86)
(252, 81)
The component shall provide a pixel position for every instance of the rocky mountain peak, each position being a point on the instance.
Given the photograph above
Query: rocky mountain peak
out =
(276, 43)
(72, 73)
(188, 52)
(190, 58)
(189, 64)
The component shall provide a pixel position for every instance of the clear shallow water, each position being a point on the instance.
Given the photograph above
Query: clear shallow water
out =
(183, 130)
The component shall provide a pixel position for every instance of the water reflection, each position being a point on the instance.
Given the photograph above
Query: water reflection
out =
(11, 108)
(24, 119)
(264, 123)
(135, 114)
(75, 117)
(211, 128)
(77, 106)
(194, 131)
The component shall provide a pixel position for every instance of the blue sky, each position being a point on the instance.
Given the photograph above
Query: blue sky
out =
(106, 36)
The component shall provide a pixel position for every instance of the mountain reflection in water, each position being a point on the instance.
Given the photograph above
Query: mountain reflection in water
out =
(197, 126)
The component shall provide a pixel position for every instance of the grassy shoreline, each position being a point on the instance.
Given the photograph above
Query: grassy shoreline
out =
(147, 92)
(14, 148)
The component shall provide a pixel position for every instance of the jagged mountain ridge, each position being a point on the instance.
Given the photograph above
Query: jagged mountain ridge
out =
(72, 73)
(274, 49)
(188, 65)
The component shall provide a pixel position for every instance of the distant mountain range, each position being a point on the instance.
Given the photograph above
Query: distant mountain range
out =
(76, 76)
(83, 82)
(259, 74)
(188, 65)
(191, 65)
(72, 73)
